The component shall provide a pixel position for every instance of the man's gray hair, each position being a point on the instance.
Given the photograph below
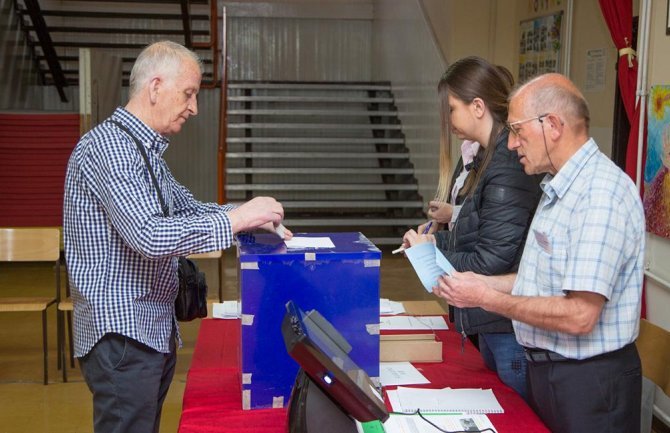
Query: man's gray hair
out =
(547, 95)
(160, 57)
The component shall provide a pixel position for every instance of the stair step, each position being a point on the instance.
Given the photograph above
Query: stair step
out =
(276, 110)
(338, 222)
(318, 170)
(323, 99)
(386, 240)
(317, 155)
(309, 86)
(261, 112)
(314, 140)
(319, 126)
(323, 187)
(350, 204)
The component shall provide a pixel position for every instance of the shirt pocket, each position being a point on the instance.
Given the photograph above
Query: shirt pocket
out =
(551, 269)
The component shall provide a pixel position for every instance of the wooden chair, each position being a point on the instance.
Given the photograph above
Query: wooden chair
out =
(32, 245)
(65, 309)
(219, 259)
(653, 344)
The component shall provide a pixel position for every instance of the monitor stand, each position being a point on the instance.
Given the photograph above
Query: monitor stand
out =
(310, 410)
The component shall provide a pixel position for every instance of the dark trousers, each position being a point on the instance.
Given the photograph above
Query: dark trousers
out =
(599, 394)
(129, 382)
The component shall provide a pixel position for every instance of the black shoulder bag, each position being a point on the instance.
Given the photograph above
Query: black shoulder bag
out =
(191, 302)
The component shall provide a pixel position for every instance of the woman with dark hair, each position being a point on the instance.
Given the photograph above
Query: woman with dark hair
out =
(490, 204)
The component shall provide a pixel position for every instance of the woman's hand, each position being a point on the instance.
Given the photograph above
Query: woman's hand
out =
(440, 211)
(412, 238)
(432, 229)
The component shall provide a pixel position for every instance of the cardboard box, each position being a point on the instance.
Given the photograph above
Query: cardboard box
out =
(410, 347)
(341, 283)
(423, 308)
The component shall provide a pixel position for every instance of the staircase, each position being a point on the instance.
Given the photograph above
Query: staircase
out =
(333, 153)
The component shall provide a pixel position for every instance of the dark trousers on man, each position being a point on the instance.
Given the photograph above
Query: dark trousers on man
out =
(599, 394)
(129, 382)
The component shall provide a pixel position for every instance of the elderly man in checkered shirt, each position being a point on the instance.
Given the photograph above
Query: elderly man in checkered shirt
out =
(121, 248)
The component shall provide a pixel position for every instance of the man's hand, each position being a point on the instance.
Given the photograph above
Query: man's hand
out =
(255, 213)
(440, 212)
(463, 289)
(273, 228)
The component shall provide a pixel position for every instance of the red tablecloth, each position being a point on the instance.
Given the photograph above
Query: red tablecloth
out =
(213, 401)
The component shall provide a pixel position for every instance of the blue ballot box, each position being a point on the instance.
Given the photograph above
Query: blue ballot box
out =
(342, 283)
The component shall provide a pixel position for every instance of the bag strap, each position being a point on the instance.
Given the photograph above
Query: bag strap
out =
(143, 151)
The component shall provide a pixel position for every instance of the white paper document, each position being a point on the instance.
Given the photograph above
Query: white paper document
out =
(306, 242)
(467, 400)
(400, 373)
(226, 310)
(429, 264)
(390, 323)
(450, 422)
(280, 230)
(386, 306)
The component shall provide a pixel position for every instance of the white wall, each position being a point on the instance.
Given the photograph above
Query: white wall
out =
(298, 49)
(404, 52)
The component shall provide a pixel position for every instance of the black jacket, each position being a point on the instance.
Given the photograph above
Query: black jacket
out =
(490, 231)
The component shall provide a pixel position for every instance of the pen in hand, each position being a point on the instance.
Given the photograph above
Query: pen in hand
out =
(428, 226)
(424, 232)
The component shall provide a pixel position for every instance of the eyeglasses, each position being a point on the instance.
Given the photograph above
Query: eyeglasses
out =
(514, 126)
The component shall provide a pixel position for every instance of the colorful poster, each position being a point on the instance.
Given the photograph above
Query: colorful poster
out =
(540, 46)
(656, 178)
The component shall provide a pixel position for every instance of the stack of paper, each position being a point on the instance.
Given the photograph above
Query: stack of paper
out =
(388, 323)
(387, 307)
(400, 373)
(409, 400)
(450, 422)
(226, 310)
(303, 242)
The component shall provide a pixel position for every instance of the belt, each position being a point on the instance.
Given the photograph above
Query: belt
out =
(541, 355)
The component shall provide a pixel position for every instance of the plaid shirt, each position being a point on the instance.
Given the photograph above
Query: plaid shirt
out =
(120, 249)
(587, 235)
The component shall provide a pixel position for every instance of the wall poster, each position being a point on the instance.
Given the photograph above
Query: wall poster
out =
(540, 46)
(656, 178)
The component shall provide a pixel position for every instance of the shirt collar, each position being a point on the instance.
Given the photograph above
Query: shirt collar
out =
(468, 151)
(147, 136)
(555, 186)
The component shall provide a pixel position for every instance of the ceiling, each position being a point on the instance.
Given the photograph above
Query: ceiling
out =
(56, 30)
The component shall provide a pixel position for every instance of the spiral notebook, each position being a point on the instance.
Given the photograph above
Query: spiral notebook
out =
(446, 400)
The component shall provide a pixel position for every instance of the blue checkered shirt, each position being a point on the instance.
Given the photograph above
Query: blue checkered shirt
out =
(120, 249)
(587, 235)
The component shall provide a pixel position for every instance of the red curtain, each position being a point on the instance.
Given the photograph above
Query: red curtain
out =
(618, 15)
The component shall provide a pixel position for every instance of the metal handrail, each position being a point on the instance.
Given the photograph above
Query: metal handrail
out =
(223, 112)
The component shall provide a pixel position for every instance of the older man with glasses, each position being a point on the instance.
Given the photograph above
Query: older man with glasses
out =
(575, 301)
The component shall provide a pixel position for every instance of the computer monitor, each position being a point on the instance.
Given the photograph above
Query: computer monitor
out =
(322, 354)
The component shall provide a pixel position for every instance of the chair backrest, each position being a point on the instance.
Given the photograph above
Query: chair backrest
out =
(29, 244)
(209, 255)
(653, 343)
